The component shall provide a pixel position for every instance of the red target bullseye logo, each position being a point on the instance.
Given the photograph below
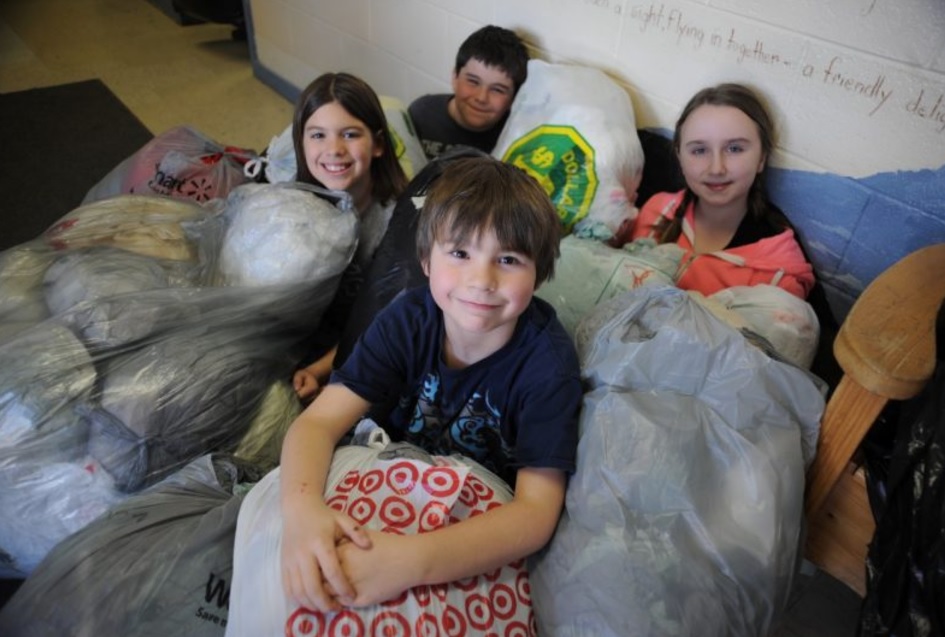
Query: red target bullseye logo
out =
(349, 482)
(390, 624)
(362, 510)
(518, 629)
(426, 626)
(305, 623)
(467, 584)
(433, 516)
(422, 595)
(440, 482)
(402, 477)
(479, 611)
(337, 502)
(503, 601)
(468, 495)
(523, 588)
(397, 601)
(454, 623)
(440, 591)
(371, 481)
(346, 624)
(397, 512)
(482, 489)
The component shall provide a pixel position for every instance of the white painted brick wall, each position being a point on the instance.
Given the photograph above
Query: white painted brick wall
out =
(858, 86)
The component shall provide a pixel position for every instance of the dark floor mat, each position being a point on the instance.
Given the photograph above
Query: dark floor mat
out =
(55, 144)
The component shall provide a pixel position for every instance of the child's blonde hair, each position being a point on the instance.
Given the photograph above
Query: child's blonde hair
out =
(751, 104)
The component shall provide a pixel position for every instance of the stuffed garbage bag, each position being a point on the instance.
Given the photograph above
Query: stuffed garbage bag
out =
(156, 565)
(684, 515)
(573, 128)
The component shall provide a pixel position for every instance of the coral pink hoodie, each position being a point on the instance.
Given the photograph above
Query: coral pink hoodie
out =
(776, 260)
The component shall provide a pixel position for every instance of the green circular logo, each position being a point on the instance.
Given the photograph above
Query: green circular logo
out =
(563, 163)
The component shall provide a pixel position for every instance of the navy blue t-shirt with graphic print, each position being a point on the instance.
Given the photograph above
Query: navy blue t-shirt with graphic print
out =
(516, 408)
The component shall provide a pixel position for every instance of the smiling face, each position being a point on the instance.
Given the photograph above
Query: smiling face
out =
(338, 151)
(482, 95)
(720, 153)
(481, 288)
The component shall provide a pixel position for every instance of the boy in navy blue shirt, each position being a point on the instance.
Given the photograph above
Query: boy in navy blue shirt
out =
(475, 365)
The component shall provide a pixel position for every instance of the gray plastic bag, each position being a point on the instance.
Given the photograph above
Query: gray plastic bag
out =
(158, 564)
(684, 515)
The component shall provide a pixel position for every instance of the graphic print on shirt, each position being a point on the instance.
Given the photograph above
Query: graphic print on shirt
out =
(472, 429)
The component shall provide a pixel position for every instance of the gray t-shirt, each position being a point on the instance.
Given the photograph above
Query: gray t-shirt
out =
(438, 132)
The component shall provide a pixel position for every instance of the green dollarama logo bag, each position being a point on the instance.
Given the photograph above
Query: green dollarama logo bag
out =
(562, 161)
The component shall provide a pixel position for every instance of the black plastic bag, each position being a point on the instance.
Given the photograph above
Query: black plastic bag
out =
(905, 593)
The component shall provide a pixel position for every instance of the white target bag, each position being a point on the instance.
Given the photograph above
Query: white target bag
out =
(392, 493)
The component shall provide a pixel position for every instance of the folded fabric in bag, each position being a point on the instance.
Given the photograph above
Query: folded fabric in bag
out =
(573, 129)
(44, 372)
(589, 272)
(286, 233)
(92, 273)
(182, 163)
(788, 323)
(157, 565)
(684, 515)
(153, 226)
(397, 490)
(111, 297)
(21, 279)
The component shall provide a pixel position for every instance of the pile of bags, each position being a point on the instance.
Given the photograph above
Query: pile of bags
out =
(142, 332)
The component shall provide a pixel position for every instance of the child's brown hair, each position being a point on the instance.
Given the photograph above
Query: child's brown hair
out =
(359, 99)
(482, 193)
(497, 47)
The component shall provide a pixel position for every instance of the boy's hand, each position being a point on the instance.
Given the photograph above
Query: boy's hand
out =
(310, 538)
(305, 384)
(379, 573)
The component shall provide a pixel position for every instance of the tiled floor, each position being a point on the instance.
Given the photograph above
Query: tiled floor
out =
(168, 74)
(165, 73)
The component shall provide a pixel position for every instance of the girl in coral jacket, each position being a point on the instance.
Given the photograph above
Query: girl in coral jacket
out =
(731, 232)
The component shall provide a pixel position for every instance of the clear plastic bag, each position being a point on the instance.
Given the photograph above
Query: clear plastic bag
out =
(684, 515)
(142, 363)
(158, 565)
